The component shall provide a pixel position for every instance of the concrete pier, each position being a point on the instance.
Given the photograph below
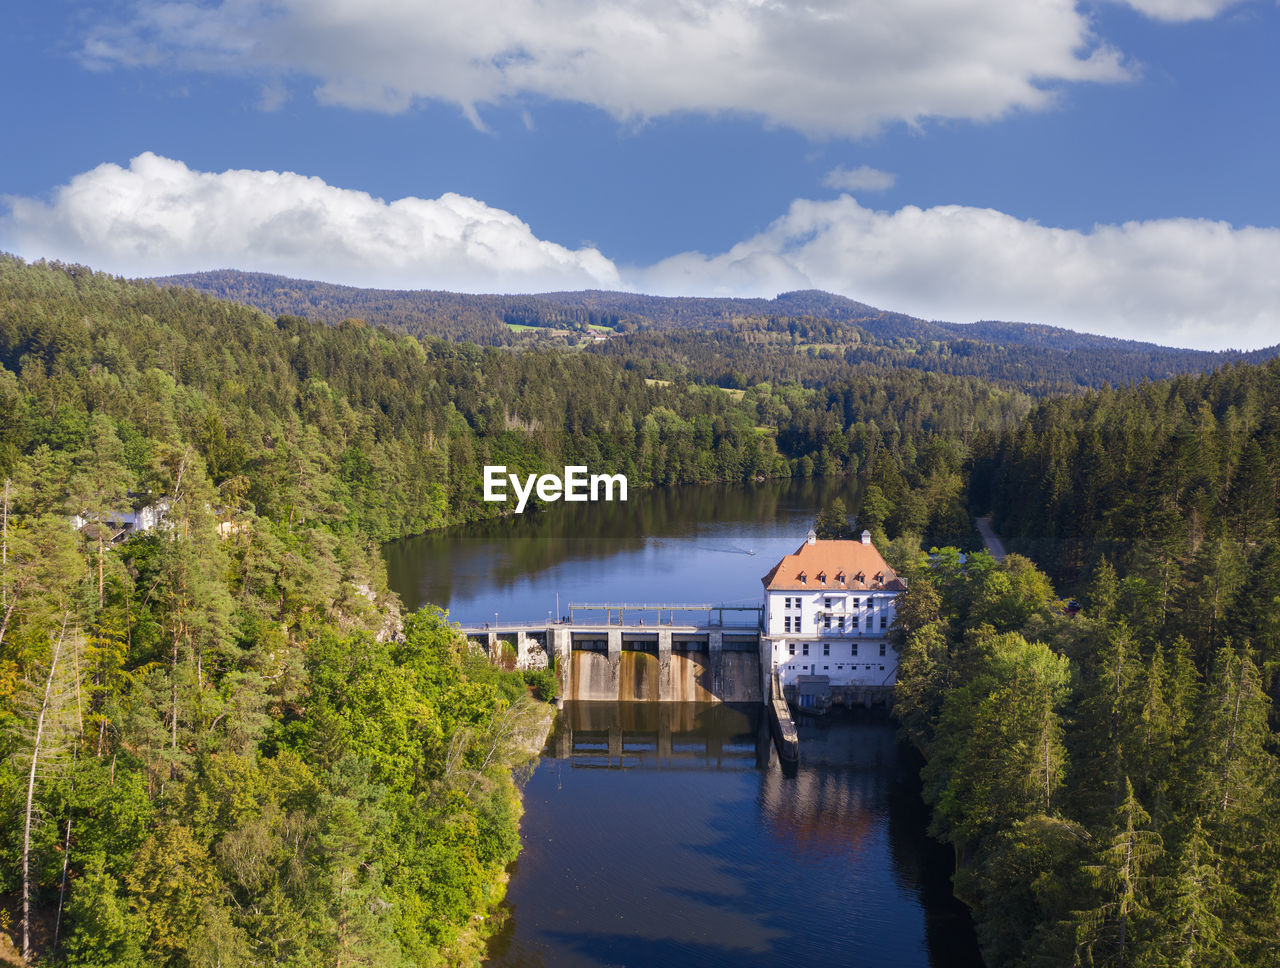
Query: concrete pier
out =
(784, 729)
(664, 662)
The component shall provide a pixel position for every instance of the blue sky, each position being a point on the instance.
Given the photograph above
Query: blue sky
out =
(1108, 167)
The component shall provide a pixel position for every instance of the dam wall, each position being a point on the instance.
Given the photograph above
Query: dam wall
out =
(636, 663)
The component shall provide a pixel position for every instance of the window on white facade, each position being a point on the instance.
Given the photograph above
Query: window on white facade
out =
(826, 648)
(806, 648)
(884, 621)
(826, 621)
(791, 648)
(882, 648)
(826, 603)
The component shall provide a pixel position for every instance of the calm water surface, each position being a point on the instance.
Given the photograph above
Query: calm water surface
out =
(664, 834)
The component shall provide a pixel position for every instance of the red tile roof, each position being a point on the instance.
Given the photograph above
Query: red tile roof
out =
(833, 565)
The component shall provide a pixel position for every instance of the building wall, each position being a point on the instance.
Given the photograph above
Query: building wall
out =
(836, 659)
(152, 516)
(810, 621)
(820, 612)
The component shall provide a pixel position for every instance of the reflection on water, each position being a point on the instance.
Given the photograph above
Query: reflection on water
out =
(680, 735)
(669, 545)
(669, 834)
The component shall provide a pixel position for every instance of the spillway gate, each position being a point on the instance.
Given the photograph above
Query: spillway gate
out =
(653, 657)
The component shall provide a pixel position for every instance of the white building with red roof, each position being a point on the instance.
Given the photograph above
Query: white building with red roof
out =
(827, 612)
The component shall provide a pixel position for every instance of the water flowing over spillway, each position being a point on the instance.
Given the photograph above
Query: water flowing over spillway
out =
(667, 832)
(635, 677)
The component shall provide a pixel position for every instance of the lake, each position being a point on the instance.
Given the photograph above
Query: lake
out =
(670, 834)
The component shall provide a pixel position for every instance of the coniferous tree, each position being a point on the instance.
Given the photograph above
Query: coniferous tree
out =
(1194, 933)
(1120, 928)
(833, 522)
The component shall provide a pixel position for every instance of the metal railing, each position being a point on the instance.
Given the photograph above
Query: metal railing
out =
(671, 608)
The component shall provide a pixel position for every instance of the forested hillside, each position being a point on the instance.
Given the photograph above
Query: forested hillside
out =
(377, 431)
(220, 739)
(815, 351)
(220, 735)
(389, 434)
(1175, 484)
(220, 743)
(1110, 789)
(475, 316)
(1110, 781)
(720, 338)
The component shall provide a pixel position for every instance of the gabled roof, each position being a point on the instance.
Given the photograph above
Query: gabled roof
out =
(846, 565)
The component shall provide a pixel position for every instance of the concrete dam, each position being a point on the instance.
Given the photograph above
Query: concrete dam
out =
(619, 661)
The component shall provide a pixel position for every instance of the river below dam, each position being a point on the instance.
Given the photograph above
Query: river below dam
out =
(669, 833)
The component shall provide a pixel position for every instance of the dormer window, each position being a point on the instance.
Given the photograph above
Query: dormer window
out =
(860, 576)
(879, 577)
(804, 579)
(840, 576)
(822, 577)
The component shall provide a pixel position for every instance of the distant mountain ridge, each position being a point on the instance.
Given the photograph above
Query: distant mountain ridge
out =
(854, 331)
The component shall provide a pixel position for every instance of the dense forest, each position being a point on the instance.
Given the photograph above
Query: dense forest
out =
(222, 744)
(1174, 485)
(817, 351)
(1110, 791)
(388, 433)
(1111, 781)
(805, 335)
(212, 730)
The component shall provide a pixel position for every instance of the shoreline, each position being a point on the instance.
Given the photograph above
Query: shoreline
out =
(471, 947)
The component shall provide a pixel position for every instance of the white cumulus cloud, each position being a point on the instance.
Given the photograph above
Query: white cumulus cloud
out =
(1181, 10)
(823, 67)
(1183, 282)
(158, 216)
(863, 178)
